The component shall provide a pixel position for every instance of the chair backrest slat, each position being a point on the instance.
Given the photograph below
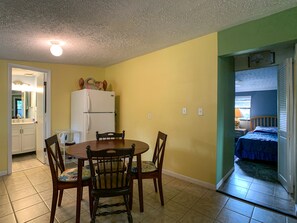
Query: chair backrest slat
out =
(159, 152)
(55, 158)
(110, 135)
(110, 168)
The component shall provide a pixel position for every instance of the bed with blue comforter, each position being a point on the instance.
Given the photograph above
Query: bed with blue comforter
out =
(259, 144)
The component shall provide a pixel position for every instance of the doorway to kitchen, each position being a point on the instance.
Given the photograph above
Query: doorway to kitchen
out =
(28, 115)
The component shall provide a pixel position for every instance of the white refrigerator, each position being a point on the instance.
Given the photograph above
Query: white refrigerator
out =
(91, 111)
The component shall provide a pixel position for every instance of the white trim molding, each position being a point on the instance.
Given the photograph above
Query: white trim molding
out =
(3, 173)
(189, 179)
(225, 178)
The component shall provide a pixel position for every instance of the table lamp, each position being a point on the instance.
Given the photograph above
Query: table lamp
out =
(238, 115)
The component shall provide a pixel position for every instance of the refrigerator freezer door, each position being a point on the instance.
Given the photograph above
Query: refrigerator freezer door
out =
(102, 122)
(100, 101)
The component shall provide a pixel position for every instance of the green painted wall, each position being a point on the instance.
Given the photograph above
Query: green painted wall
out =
(226, 92)
(271, 30)
(277, 29)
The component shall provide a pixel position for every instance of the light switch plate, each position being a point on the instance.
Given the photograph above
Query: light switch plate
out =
(184, 110)
(200, 111)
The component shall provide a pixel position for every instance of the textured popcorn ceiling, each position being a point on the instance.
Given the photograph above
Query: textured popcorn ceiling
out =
(106, 32)
(262, 79)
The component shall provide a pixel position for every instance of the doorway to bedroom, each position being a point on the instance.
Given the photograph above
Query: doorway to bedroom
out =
(255, 179)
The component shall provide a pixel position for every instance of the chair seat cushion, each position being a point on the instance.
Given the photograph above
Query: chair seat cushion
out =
(70, 175)
(146, 166)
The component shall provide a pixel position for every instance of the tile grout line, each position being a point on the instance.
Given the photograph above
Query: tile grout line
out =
(10, 202)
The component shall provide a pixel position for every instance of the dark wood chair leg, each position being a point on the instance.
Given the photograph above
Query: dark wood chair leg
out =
(161, 190)
(139, 180)
(155, 184)
(131, 195)
(95, 205)
(90, 200)
(126, 199)
(54, 205)
(60, 197)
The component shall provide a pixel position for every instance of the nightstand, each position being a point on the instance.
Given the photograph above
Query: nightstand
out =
(239, 132)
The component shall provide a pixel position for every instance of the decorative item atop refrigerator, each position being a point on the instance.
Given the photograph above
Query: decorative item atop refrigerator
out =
(91, 111)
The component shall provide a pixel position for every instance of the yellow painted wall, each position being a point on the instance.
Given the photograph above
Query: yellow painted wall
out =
(3, 116)
(64, 80)
(161, 83)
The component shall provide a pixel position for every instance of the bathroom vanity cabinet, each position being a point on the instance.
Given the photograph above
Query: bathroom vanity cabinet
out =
(23, 138)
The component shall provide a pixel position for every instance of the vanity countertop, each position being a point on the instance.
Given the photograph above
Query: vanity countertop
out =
(22, 122)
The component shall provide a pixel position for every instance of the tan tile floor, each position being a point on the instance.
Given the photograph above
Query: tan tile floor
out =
(25, 196)
(246, 183)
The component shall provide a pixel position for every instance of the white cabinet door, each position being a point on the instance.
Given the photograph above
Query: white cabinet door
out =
(28, 138)
(23, 138)
(16, 142)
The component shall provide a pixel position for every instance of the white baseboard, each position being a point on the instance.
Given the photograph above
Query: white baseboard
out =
(225, 178)
(3, 173)
(189, 179)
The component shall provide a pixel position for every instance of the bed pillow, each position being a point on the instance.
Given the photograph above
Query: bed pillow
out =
(272, 130)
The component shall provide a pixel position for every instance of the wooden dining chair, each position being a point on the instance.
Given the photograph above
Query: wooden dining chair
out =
(109, 180)
(63, 178)
(152, 169)
(110, 135)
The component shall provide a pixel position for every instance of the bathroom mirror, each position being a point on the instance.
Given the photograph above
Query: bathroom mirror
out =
(21, 104)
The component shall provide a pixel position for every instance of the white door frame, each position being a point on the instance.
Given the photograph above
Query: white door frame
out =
(294, 134)
(47, 120)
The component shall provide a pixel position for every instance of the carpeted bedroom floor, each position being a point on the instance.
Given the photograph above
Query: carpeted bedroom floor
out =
(257, 170)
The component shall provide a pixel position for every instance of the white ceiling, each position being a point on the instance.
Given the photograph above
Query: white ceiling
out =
(262, 79)
(106, 32)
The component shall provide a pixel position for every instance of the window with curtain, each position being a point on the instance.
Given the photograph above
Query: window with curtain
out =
(244, 104)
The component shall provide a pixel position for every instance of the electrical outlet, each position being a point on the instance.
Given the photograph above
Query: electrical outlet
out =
(200, 111)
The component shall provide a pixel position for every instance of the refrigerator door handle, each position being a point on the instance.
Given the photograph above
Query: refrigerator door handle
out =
(88, 102)
(88, 122)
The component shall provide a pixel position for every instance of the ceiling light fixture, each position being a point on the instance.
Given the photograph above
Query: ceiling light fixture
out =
(18, 85)
(56, 48)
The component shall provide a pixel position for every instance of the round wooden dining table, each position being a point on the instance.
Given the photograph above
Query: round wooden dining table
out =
(79, 151)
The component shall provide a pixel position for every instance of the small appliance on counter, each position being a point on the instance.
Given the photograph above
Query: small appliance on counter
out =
(67, 138)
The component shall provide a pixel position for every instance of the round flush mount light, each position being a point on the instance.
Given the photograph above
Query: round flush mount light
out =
(56, 48)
